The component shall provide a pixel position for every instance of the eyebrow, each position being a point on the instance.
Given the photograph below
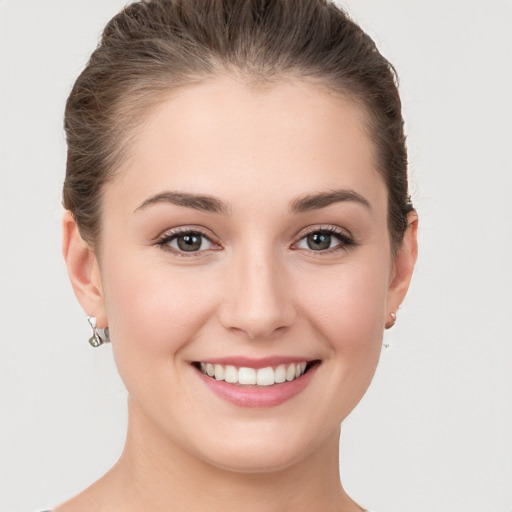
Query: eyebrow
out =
(323, 199)
(195, 201)
(211, 204)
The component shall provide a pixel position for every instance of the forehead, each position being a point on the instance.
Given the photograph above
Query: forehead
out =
(273, 142)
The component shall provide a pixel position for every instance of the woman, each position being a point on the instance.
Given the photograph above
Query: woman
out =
(238, 226)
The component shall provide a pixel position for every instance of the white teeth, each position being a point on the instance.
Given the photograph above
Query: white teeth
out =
(280, 374)
(231, 374)
(290, 372)
(246, 376)
(265, 376)
(219, 372)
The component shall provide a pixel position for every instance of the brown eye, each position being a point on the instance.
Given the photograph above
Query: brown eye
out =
(325, 240)
(189, 242)
(319, 241)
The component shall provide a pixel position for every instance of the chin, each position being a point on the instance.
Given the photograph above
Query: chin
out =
(255, 461)
(262, 452)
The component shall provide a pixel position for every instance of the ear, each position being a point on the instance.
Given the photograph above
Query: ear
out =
(403, 267)
(83, 270)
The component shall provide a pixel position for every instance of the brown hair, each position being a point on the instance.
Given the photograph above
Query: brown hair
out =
(156, 46)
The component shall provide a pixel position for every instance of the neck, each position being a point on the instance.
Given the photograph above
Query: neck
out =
(160, 475)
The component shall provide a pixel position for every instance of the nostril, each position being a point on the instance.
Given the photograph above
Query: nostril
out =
(259, 303)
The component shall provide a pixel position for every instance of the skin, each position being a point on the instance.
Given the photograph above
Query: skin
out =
(258, 290)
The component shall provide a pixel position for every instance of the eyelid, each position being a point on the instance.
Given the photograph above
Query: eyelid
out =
(346, 240)
(178, 230)
(171, 234)
(329, 228)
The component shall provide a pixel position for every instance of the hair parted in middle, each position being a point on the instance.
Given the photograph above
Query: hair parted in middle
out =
(155, 47)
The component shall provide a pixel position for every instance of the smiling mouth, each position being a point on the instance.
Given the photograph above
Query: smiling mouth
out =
(246, 376)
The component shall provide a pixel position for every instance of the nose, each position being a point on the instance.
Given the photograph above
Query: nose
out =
(258, 300)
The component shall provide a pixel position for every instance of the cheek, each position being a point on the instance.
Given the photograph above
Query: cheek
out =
(153, 311)
(342, 309)
(349, 317)
(346, 304)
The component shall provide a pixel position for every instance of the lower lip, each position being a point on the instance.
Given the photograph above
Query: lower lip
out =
(258, 396)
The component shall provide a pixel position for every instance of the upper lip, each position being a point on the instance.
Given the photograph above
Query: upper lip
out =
(249, 362)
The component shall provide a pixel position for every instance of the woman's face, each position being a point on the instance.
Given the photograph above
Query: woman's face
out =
(247, 229)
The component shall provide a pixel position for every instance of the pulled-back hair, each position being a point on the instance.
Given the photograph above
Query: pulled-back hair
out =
(154, 47)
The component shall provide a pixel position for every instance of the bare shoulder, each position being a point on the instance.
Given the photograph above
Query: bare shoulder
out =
(84, 501)
(95, 498)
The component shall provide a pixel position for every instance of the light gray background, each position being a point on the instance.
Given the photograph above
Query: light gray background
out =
(434, 432)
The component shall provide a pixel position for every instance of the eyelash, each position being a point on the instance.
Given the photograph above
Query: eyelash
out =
(174, 234)
(345, 241)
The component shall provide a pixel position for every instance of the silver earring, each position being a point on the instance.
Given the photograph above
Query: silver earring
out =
(389, 325)
(99, 336)
(391, 322)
